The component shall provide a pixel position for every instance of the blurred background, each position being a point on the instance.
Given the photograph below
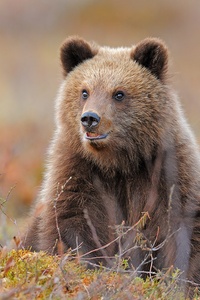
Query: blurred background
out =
(31, 32)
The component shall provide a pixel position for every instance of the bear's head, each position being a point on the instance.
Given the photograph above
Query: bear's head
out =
(114, 105)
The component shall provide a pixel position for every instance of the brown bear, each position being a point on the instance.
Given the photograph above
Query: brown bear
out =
(123, 172)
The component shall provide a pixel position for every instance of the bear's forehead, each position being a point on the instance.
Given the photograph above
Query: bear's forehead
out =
(111, 66)
(117, 56)
(120, 51)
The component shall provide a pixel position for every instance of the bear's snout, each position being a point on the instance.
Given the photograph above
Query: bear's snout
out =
(90, 120)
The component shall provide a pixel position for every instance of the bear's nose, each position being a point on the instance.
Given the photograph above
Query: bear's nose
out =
(90, 119)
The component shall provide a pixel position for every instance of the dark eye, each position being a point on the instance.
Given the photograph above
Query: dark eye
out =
(119, 96)
(85, 94)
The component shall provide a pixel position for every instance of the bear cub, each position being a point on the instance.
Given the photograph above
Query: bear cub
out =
(123, 171)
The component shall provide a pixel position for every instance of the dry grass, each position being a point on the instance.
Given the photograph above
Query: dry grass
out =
(27, 275)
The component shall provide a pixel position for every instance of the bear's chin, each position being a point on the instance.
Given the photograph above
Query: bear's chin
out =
(95, 144)
(94, 141)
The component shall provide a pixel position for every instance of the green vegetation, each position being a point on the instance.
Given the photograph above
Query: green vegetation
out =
(29, 275)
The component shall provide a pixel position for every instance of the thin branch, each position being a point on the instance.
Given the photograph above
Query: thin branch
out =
(55, 208)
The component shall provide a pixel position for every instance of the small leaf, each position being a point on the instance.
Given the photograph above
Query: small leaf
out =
(10, 263)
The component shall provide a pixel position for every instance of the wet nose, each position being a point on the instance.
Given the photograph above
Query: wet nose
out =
(90, 119)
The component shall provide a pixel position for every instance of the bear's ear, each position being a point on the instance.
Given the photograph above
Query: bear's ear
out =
(74, 51)
(152, 54)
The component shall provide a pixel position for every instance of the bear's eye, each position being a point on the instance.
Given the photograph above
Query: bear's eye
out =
(119, 96)
(85, 94)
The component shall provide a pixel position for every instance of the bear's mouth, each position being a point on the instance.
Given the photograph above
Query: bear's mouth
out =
(95, 136)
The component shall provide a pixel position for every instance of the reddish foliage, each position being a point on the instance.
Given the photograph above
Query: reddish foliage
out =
(21, 162)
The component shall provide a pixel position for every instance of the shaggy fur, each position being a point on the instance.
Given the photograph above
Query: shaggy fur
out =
(141, 157)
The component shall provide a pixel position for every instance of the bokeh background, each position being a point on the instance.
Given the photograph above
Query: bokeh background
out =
(31, 32)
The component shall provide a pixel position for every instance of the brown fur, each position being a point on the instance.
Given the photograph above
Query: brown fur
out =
(149, 162)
